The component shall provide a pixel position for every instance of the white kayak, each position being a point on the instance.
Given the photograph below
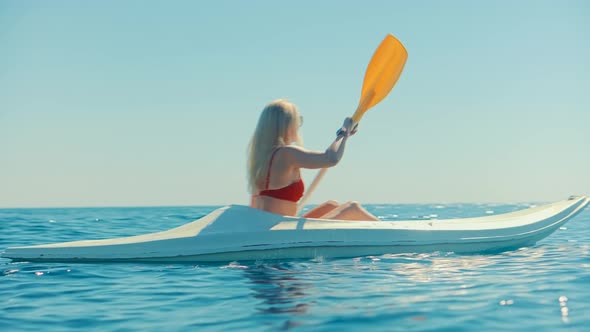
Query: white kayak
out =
(242, 233)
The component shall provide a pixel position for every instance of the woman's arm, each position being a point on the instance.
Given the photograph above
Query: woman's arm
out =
(301, 158)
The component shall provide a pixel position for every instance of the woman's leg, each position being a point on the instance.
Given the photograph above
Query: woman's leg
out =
(321, 209)
(350, 211)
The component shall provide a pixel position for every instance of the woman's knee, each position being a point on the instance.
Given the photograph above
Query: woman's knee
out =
(331, 203)
(322, 209)
(355, 209)
(353, 204)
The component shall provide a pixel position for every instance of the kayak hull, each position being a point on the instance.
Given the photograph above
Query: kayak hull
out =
(240, 233)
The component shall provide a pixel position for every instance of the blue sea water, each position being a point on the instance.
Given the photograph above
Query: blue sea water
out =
(541, 288)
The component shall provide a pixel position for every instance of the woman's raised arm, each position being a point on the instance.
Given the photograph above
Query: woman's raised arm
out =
(302, 158)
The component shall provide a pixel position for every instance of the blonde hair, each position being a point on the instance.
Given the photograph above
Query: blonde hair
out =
(271, 132)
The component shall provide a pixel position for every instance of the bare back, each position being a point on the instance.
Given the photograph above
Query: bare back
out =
(285, 170)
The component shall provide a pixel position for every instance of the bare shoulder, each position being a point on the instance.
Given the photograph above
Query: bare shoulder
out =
(303, 158)
(294, 151)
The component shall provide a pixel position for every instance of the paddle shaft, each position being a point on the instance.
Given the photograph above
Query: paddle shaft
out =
(322, 172)
(311, 189)
(382, 73)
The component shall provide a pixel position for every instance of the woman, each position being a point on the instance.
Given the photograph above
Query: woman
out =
(274, 165)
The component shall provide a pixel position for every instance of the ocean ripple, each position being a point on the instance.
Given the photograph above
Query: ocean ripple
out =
(544, 287)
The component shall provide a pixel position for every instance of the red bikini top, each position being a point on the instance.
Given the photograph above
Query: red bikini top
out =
(292, 192)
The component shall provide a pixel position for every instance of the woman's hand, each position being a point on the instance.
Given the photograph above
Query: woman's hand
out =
(348, 128)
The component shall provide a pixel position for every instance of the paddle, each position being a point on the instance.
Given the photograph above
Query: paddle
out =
(381, 75)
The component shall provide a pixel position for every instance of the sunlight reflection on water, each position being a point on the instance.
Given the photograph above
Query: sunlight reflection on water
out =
(544, 287)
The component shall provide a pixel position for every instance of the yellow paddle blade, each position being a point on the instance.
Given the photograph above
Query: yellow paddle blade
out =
(382, 73)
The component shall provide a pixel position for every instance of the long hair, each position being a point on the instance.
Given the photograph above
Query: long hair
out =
(271, 132)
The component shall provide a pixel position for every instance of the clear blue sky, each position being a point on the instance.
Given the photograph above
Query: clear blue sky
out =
(109, 103)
